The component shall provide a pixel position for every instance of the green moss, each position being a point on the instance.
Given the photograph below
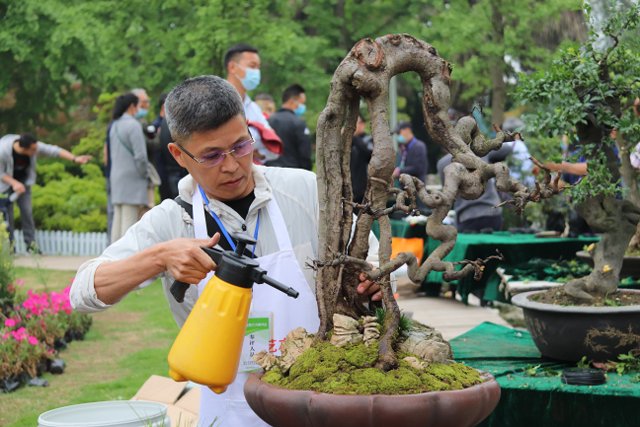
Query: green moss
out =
(274, 376)
(305, 362)
(456, 374)
(362, 356)
(349, 370)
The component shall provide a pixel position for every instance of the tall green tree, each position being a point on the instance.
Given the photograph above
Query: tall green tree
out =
(488, 40)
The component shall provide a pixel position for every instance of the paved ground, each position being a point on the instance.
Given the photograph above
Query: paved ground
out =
(449, 316)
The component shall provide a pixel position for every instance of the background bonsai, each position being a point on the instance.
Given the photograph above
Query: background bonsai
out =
(365, 74)
(588, 92)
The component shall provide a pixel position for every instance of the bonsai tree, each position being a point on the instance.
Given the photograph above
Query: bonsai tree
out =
(365, 74)
(590, 92)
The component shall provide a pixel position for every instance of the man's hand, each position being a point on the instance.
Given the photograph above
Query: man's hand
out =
(82, 159)
(18, 187)
(396, 173)
(368, 287)
(186, 261)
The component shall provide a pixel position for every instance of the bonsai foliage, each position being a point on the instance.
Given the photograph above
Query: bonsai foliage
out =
(365, 74)
(588, 92)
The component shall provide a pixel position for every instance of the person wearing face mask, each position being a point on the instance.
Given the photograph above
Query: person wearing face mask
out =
(413, 153)
(292, 129)
(242, 64)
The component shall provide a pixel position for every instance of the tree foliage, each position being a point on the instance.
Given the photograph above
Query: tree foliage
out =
(573, 91)
(478, 35)
(53, 53)
(591, 89)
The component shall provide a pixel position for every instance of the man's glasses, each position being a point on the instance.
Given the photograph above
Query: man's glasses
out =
(215, 157)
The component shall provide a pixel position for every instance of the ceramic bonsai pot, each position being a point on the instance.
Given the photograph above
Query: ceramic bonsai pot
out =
(302, 408)
(570, 332)
(630, 264)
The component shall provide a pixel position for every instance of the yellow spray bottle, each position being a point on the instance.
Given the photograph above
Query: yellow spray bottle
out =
(208, 348)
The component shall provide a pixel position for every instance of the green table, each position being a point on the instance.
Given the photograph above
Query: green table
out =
(516, 248)
(528, 401)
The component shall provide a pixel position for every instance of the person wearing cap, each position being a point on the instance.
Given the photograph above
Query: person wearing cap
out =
(413, 153)
(224, 193)
(18, 156)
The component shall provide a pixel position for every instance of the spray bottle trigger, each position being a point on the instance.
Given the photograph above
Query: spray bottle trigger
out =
(214, 254)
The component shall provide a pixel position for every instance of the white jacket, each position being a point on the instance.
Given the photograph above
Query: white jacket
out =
(295, 191)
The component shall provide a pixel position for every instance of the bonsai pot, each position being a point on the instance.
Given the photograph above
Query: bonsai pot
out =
(302, 408)
(630, 264)
(570, 332)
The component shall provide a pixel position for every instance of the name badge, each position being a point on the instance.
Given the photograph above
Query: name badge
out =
(257, 337)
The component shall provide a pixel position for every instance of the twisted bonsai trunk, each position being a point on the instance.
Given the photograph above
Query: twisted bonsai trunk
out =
(365, 73)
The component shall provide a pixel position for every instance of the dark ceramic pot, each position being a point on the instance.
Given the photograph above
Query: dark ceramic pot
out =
(301, 408)
(630, 264)
(570, 332)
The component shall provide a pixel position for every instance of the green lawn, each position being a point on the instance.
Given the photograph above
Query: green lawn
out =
(125, 345)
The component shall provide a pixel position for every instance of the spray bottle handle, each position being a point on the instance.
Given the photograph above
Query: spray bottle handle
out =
(179, 289)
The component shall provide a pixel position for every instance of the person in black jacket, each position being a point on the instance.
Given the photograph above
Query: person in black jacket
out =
(292, 130)
(170, 171)
(361, 149)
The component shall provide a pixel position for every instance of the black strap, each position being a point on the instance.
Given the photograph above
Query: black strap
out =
(212, 227)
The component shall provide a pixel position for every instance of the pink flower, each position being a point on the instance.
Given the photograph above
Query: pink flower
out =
(19, 282)
(32, 340)
(20, 334)
(10, 323)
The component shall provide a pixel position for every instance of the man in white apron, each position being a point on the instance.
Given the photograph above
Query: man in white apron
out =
(227, 192)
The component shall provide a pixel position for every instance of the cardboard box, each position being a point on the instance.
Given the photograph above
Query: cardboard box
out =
(182, 399)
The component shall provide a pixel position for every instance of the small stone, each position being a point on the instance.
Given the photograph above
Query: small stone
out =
(415, 363)
(346, 330)
(265, 360)
(295, 343)
(371, 330)
(427, 344)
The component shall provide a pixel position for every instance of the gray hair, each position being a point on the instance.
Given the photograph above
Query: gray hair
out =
(200, 104)
(138, 91)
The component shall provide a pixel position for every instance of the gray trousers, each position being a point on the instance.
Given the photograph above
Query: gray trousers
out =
(26, 217)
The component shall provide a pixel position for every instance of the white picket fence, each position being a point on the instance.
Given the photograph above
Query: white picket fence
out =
(64, 243)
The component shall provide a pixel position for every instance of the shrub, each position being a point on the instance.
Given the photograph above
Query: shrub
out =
(7, 288)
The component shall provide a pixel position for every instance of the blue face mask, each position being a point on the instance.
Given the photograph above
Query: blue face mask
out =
(142, 112)
(251, 78)
(401, 139)
(300, 109)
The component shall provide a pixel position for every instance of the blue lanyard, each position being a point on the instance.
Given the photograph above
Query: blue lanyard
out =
(225, 233)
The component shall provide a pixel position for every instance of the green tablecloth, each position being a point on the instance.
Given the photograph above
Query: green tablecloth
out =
(516, 248)
(543, 401)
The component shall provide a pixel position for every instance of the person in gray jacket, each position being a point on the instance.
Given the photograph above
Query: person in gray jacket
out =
(18, 156)
(129, 178)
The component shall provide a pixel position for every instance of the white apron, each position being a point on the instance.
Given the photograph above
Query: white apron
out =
(230, 409)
